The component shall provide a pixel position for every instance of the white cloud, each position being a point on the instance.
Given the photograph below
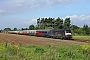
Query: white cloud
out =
(79, 20)
(75, 19)
(33, 21)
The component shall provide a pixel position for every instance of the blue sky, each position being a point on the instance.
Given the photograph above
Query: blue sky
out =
(22, 13)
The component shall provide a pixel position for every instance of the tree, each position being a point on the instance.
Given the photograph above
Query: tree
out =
(15, 29)
(53, 23)
(86, 29)
(24, 29)
(74, 27)
(46, 22)
(59, 23)
(31, 27)
(89, 30)
(7, 29)
(80, 31)
(38, 23)
(0, 31)
(42, 24)
(67, 23)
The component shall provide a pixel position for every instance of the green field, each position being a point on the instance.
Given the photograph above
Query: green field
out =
(82, 37)
(44, 52)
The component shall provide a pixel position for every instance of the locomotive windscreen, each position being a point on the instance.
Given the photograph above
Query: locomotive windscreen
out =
(68, 31)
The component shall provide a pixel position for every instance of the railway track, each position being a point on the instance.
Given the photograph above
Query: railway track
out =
(37, 40)
(69, 41)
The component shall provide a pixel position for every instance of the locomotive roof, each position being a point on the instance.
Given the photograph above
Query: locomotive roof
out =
(61, 29)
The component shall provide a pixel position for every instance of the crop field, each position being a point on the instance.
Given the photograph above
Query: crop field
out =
(20, 47)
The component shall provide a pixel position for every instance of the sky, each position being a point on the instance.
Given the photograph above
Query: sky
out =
(22, 13)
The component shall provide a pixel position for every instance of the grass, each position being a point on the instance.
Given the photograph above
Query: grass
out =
(44, 52)
(82, 37)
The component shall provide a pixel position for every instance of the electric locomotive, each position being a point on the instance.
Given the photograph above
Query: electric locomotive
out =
(64, 33)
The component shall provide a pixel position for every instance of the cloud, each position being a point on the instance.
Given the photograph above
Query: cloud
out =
(75, 19)
(33, 21)
(24, 5)
(79, 20)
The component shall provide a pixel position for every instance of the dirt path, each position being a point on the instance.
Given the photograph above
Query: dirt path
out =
(25, 40)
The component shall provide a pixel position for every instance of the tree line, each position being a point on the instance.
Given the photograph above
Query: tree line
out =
(58, 23)
(85, 30)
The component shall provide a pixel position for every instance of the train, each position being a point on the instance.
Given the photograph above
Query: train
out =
(64, 33)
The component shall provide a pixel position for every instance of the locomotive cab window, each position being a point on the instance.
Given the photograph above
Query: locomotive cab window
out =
(68, 31)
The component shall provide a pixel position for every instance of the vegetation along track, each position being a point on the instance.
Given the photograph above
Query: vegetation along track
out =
(25, 40)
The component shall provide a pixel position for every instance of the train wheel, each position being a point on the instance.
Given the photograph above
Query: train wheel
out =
(53, 37)
(62, 38)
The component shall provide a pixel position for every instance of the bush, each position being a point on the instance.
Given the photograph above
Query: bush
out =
(47, 52)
